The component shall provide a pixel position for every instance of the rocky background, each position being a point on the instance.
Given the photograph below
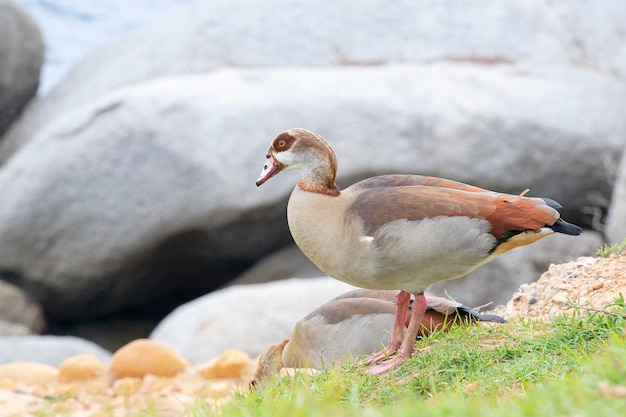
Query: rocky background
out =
(127, 189)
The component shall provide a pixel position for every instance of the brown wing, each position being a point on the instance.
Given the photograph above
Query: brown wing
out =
(397, 180)
(377, 206)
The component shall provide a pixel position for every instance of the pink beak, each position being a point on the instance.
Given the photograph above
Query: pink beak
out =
(270, 169)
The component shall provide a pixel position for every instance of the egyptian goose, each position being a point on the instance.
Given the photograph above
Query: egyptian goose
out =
(400, 232)
(353, 324)
(357, 323)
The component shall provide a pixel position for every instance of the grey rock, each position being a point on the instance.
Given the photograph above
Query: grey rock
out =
(50, 350)
(21, 56)
(112, 331)
(278, 33)
(150, 189)
(285, 263)
(19, 313)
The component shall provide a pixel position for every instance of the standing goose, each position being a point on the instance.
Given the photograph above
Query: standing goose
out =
(400, 232)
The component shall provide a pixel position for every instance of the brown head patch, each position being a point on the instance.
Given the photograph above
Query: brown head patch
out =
(283, 142)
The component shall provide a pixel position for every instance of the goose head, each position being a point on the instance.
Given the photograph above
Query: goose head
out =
(300, 149)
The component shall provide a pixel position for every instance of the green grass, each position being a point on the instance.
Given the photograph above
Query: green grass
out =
(573, 366)
(616, 249)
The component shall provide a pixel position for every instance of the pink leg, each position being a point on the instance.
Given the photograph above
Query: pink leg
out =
(408, 344)
(397, 333)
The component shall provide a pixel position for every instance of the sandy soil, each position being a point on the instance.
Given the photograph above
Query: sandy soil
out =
(588, 282)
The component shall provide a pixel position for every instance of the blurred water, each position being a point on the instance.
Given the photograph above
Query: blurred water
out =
(72, 29)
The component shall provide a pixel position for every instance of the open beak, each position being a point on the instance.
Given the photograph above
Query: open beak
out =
(270, 169)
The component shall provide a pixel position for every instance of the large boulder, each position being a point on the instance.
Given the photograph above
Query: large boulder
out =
(150, 190)
(277, 33)
(21, 56)
(284, 263)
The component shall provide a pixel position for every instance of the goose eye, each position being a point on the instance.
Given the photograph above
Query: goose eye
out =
(282, 142)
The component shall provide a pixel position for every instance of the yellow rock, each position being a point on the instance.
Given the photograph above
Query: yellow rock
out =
(81, 367)
(8, 384)
(231, 364)
(142, 357)
(29, 373)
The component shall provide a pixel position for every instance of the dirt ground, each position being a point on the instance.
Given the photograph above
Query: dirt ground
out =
(588, 282)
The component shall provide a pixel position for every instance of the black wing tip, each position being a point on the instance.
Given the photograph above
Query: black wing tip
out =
(476, 316)
(552, 203)
(491, 318)
(561, 226)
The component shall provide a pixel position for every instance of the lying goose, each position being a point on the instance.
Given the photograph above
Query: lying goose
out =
(400, 232)
(353, 324)
(358, 322)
